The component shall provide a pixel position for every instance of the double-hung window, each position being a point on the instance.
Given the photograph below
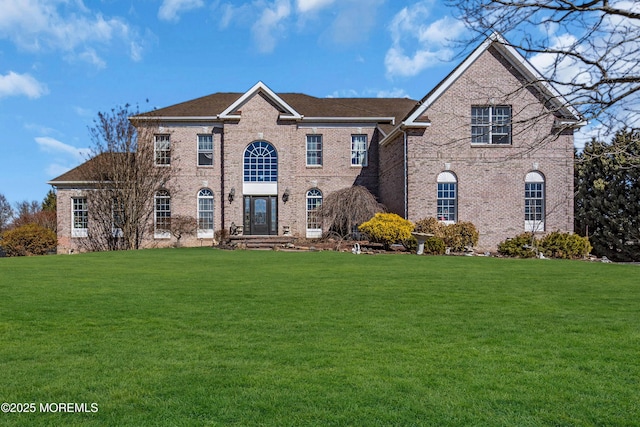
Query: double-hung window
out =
(534, 215)
(358, 150)
(447, 205)
(205, 150)
(162, 150)
(162, 214)
(80, 217)
(205, 214)
(314, 223)
(314, 150)
(491, 124)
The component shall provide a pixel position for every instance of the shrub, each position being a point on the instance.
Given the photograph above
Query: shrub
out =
(455, 236)
(460, 235)
(387, 228)
(565, 245)
(521, 246)
(434, 246)
(30, 239)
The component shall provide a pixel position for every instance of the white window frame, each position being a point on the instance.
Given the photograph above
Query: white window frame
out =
(491, 125)
(447, 203)
(205, 149)
(359, 155)
(79, 217)
(205, 195)
(534, 198)
(313, 202)
(162, 149)
(314, 150)
(115, 212)
(163, 214)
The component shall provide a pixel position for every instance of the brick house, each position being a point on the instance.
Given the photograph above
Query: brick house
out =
(491, 144)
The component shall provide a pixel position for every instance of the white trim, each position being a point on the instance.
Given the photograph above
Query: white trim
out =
(260, 87)
(260, 188)
(375, 120)
(516, 59)
(534, 226)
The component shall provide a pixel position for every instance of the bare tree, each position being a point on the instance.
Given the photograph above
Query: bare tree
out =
(343, 210)
(183, 225)
(124, 178)
(6, 213)
(588, 50)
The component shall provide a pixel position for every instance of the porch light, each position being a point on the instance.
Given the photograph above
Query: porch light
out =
(285, 195)
(232, 194)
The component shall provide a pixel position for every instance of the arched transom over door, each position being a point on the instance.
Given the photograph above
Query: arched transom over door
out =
(260, 189)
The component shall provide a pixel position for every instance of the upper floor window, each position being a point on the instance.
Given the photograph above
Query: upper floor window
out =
(491, 125)
(314, 150)
(162, 212)
(162, 150)
(534, 214)
(447, 197)
(80, 217)
(358, 150)
(260, 162)
(205, 150)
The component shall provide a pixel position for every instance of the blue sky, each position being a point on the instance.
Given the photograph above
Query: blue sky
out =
(61, 62)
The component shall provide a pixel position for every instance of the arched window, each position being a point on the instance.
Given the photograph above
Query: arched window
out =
(162, 207)
(260, 162)
(447, 197)
(205, 214)
(534, 215)
(314, 224)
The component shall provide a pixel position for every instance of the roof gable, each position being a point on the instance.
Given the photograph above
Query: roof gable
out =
(520, 63)
(287, 112)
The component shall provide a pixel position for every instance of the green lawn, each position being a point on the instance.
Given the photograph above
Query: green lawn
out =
(192, 337)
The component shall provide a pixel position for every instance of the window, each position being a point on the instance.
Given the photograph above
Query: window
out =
(358, 150)
(447, 197)
(314, 150)
(163, 150)
(205, 150)
(260, 163)
(534, 215)
(118, 217)
(314, 225)
(205, 214)
(162, 214)
(80, 217)
(491, 125)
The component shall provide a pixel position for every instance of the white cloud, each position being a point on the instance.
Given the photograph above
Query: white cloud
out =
(52, 145)
(428, 43)
(269, 25)
(59, 25)
(305, 6)
(14, 84)
(170, 9)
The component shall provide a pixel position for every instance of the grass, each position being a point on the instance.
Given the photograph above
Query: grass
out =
(192, 337)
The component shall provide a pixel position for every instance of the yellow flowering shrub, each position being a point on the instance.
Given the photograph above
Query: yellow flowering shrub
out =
(387, 228)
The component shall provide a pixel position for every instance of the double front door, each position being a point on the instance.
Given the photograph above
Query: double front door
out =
(261, 215)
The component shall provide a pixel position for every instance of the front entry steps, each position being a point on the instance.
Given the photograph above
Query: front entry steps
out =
(262, 242)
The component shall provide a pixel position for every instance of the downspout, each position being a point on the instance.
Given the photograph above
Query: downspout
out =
(406, 175)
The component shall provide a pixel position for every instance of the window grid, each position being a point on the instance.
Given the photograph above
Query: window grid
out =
(358, 150)
(163, 150)
(314, 150)
(260, 163)
(163, 211)
(447, 198)
(314, 201)
(205, 150)
(80, 214)
(491, 125)
(205, 210)
(534, 201)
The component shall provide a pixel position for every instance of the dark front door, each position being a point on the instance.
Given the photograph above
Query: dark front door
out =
(260, 215)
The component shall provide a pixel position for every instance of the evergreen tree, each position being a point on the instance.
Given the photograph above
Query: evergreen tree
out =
(50, 202)
(607, 203)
